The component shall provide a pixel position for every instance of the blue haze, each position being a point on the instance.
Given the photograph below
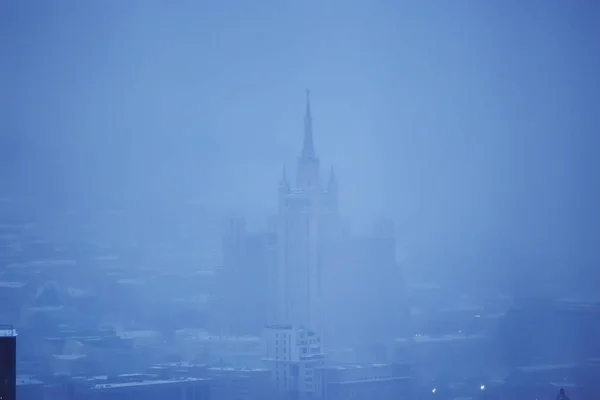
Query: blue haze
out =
(474, 124)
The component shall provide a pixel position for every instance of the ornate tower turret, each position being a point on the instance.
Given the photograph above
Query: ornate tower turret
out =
(284, 188)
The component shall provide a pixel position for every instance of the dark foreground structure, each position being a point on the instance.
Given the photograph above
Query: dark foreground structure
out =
(562, 395)
(8, 363)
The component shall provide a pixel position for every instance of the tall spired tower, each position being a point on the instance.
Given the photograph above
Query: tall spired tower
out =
(305, 216)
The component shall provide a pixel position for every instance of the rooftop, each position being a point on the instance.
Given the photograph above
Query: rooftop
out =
(11, 285)
(202, 335)
(233, 369)
(372, 380)
(353, 366)
(27, 380)
(179, 364)
(7, 331)
(139, 334)
(547, 367)
(147, 382)
(69, 356)
(279, 326)
(563, 384)
(418, 338)
(289, 327)
(130, 281)
(43, 264)
(580, 303)
(311, 360)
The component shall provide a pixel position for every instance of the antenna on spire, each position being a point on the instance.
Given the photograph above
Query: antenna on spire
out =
(308, 102)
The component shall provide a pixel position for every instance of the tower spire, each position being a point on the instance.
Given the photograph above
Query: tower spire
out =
(308, 147)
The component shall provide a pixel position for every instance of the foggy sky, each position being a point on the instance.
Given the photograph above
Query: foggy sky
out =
(473, 123)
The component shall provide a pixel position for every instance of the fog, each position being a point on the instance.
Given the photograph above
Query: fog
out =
(137, 129)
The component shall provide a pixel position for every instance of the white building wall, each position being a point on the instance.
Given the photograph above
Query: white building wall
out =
(301, 230)
(292, 354)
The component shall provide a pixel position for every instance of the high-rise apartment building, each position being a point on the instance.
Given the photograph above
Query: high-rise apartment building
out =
(294, 356)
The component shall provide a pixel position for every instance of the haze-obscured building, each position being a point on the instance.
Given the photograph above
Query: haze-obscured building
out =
(452, 357)
(524, 336)
(29, 388)
(139, 387)
(247, 280)
(365, 382)
(240, 383)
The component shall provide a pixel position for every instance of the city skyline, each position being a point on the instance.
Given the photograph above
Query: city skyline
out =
(182, 217)
(428, 129)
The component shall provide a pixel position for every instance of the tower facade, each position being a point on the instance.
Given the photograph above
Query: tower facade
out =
(306, 213)
(8, 362)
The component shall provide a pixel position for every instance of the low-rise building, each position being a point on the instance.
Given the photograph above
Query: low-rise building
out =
(240, 383)
(130, 387)
(456, 356)
(29, 388)
(222, 350)
(368, 381)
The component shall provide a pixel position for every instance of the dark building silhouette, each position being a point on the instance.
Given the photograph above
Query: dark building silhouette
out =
(536, 331)
(562, 395)
(8, 363)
